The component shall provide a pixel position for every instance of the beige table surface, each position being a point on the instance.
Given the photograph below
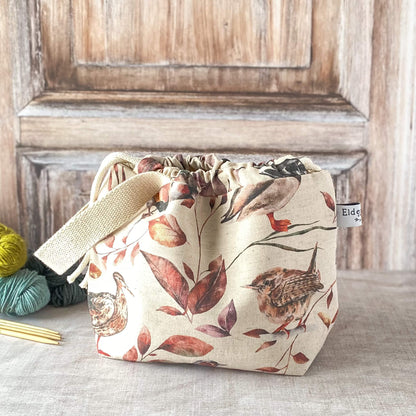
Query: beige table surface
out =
(367, 367)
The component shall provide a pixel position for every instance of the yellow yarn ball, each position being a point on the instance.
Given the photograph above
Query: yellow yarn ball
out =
(13, 253)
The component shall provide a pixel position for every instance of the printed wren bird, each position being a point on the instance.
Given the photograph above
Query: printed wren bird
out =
(283, 295)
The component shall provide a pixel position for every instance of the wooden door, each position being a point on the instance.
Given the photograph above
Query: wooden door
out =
(245, 79)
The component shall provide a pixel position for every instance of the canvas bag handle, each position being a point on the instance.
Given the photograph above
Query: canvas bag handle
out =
(99, 218)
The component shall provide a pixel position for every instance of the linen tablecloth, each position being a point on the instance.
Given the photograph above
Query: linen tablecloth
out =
(366, 367)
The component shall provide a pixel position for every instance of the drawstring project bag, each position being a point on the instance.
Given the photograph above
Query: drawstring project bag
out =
(200, 260)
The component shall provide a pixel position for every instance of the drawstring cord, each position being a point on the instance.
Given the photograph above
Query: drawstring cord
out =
(84, 263)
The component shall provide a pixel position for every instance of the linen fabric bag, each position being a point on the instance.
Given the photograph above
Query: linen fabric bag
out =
(200, 260)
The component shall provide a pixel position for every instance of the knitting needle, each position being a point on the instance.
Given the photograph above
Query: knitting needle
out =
(30, 331)
(28, 337)
(26, 326)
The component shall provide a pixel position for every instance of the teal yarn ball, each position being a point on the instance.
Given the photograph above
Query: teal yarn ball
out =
(23, 292)
(62, 292)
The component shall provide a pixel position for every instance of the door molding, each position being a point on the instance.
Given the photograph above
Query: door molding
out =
(369, 75)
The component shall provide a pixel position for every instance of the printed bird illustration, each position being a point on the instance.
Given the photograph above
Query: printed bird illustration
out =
(269, 196)
(289, 167)
(109, 312)
(283, 295)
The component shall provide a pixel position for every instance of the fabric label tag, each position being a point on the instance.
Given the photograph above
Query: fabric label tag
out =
(349, 215)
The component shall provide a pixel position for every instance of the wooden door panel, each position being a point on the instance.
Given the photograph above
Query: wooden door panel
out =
(242, 46)
(52, 187)
(257, 78)
(192, 33)
(251, 81)
(226, 122)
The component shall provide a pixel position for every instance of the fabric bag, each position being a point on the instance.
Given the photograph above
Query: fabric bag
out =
(200, 260)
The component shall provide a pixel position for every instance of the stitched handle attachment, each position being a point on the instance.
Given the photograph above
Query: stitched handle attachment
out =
(98, 219)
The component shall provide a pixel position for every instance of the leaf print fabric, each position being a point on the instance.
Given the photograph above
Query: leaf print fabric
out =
(229, 265)
(208, 291)
(166, 231)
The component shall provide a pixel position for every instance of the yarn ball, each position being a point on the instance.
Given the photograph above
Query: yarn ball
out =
(12, 251)
(23, 292)
(62, 292)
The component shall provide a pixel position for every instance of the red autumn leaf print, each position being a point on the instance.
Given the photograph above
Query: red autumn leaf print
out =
(124, 240)
(188, 271)
(169, 278)
(134, 252)
(208, 291)
(148, 164)
(170, 310)
(120, 256)
(265, 345)
(228, 317)
(213, 331)
(268, 369)
(329, 298)
(144, 340)
(94, 271)
(104, 260)
(188, 203)
(131, 355)
(163, 194)
(329, 201)
(166, 231)
(207, 363)
(183, 188)
(109, 241)
(186, 346)
(180, 189)
(335, 317)
(255, 333)
(325, 319)
(300, 358)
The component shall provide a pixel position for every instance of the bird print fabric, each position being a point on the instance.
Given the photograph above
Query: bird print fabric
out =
(283, 294)
(229, 265)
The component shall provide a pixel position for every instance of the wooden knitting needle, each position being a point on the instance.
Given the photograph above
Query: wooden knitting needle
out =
(26, 326)
(35, 338)
(37, 332)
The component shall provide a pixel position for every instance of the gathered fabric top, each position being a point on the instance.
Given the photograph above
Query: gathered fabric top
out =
(212, 176)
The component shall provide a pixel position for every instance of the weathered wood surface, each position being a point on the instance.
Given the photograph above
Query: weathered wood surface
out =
(356, 30)
(271, 33)
(353, 103)
(159, 134)
(112, 67)
(390, 227)
(195, 121)
(20, 81)
(8, 126)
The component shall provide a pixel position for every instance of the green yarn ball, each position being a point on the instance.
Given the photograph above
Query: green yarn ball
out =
(12, 251)
(23, 293)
